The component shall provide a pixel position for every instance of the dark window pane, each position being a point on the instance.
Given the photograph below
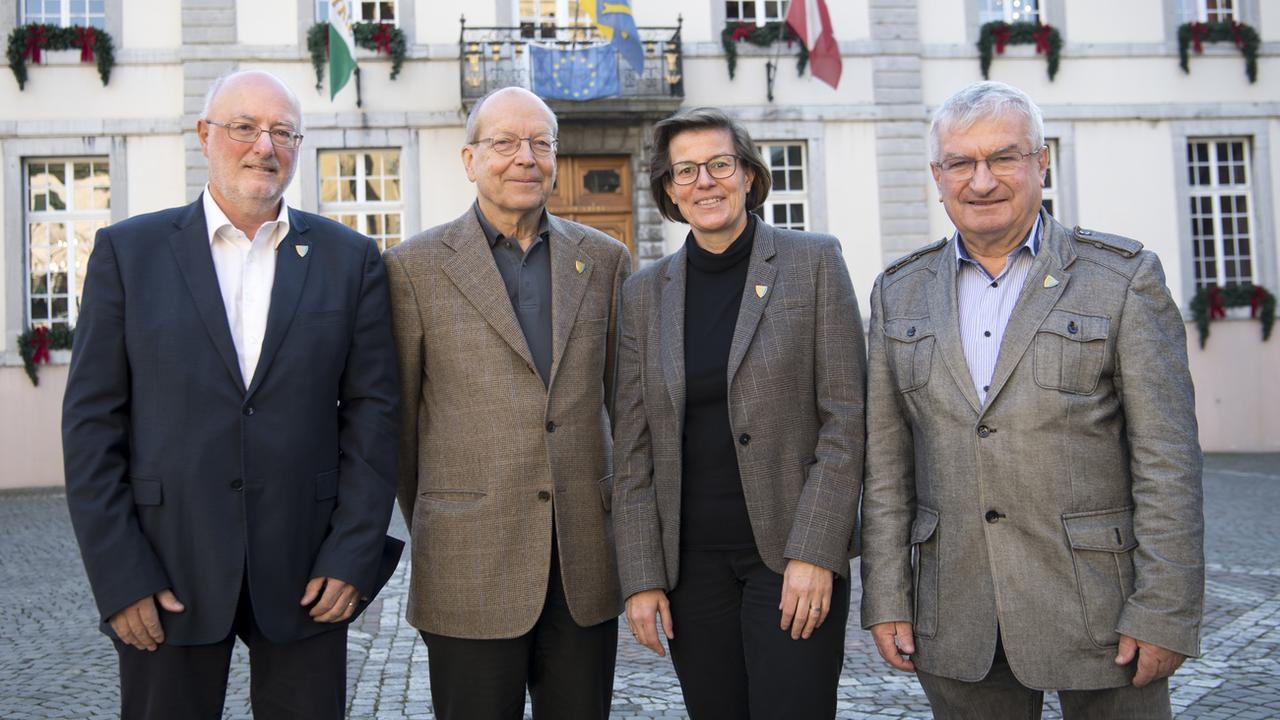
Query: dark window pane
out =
(797, 213)
(602, 181)
(779, 179)
(793, 154)
(371, 191)
(60, 307)
(797, 180)
(1047, 204)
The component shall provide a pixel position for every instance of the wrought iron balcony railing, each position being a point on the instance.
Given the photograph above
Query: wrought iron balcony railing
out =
(497, 57)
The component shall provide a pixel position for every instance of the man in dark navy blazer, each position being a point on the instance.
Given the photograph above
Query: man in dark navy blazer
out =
(230, 429)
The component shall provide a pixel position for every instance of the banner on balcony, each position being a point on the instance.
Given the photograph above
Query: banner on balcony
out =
(579, 74)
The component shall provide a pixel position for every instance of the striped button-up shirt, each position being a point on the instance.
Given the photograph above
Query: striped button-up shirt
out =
(985, 304)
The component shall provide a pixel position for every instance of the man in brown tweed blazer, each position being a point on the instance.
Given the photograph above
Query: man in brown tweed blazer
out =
(505, 322)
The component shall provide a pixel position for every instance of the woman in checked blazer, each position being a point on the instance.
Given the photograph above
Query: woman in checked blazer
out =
(738, 437)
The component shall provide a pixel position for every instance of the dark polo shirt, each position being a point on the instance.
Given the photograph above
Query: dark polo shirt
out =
(527, 276)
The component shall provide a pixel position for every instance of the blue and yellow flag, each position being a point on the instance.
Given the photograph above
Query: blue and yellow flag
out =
(582, 74)
(614, 21)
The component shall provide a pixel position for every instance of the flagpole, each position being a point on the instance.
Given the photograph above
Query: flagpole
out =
(357, 73)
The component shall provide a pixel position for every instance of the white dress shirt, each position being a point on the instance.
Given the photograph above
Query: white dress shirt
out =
(246, 273)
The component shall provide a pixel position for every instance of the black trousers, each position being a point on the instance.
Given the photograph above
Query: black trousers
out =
(568, 669)
(301, 680)
(732, 658)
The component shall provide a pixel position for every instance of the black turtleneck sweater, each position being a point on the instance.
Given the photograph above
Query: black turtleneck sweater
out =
(713, 513)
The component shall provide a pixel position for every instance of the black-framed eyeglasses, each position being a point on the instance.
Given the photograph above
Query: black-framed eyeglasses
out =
(508, 144)
(248, 133)
(1002, 164)
(718, 167)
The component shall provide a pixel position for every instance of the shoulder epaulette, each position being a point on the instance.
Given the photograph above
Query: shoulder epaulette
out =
(1128, 247)
(897, 264)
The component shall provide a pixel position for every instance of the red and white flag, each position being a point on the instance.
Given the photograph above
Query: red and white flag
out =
(808, 19)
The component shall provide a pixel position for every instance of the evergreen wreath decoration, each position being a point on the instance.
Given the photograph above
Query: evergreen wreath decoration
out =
(35, 343)
(997, 34)
(762, 36)
(378, 37)
(27, 42)
(1210, 303)
(1194, 35)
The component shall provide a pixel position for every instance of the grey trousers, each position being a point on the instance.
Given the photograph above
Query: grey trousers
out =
(999, 696)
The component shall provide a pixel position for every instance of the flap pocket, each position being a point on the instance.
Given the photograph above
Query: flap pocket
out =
(1104, 530)
(1077, 327)
(924, 525)
(589, 327)
(146, 491)
(327, 485)
(908, 330)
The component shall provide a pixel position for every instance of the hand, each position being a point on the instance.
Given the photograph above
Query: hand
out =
(806, 598)
(139, 624)
(336, 604)
(642, 608)
(1154, 662)
(896, 643)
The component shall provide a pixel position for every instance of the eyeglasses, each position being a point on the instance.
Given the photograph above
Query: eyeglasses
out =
(1001, 164)
(509, 144)
(718, 167)
(248, 133)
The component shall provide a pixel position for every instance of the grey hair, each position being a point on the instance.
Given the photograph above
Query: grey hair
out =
(222, 79)
(980, 101)
(473, 116)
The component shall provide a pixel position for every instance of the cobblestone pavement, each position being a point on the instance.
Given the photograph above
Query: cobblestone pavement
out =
(54, 664)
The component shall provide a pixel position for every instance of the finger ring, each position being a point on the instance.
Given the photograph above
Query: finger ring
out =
(815, 611)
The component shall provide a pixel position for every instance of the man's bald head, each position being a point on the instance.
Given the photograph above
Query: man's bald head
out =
(260, 78)
(477, 116)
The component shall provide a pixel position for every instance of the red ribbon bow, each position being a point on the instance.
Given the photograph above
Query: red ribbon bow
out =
(85, 37)
(1237, 34)
(35, 41)
(1217, 310)
(1000, 34)
(1199, 31)
(40, 353)
(1041, 35)
(742, 31)
(1255, 300)
(382, 38)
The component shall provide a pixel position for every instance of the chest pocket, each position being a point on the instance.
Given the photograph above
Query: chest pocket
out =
(1070, 349)
(909, 344)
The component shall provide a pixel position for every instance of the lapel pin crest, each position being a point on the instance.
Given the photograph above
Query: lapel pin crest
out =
(761, 290)
(1050, 281)
(579, 266)
(302, 250)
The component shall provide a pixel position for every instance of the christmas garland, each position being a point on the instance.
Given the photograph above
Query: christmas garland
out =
(1210, 303)
(35, 343)
(27, 42)
(763, 36)
(378, 37)
(996, 35)
(1194, 35)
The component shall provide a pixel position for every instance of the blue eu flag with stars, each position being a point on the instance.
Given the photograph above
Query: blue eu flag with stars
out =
(581, 74)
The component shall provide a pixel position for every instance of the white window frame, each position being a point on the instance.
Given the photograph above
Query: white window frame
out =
(562, 16)
(760, 7)
(362, 207)
(76, 258)
(1198, 11)
(65, 18)
(1011, 11)
(1216, 192)
(1053, 180)
(322, 11)
(787, 196)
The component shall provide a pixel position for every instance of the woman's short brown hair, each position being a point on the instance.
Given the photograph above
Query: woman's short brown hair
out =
(697, 119)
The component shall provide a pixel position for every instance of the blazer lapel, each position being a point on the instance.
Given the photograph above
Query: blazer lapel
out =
(190, 244)
(1034, 301)
(755, 296)
(286, 291)
(568, 285)
(946, 318)
(671, 331)
(475, 274)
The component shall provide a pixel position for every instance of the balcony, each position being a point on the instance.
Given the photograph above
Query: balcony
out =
(498, 57)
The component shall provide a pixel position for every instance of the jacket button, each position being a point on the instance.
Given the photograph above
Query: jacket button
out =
(744, 439)
(551, 427)
(543, 495)
(984, 431)
(237, 484)
(1072, 327)
(248, 410)
(993, 517)
(911, 331)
